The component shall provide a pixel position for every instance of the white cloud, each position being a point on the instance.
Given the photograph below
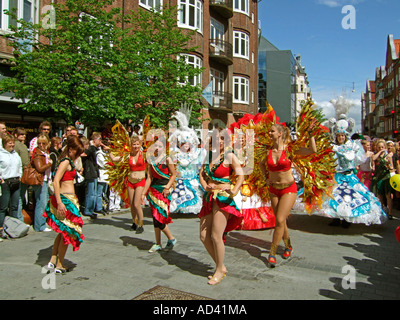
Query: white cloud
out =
(329, 111)
(338, 3)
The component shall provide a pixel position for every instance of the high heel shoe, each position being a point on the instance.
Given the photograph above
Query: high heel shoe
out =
(288, 249)
(271, 256)
(271, 261)
(211, 276)
(216, 280)
(60, 270)
(50, 267)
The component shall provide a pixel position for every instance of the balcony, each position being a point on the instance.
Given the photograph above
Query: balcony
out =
(221, 51)
(223, 7)
(388, 93)
(222, 101)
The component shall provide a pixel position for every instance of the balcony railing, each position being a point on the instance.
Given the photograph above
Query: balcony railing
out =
(222, 101)
(223, 7)
(221, 51)
(388, 93)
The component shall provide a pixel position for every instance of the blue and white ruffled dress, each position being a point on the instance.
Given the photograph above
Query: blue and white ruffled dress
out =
(187, 196)
(352, 201)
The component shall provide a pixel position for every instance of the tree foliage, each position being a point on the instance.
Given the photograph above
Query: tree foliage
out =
(97, 63)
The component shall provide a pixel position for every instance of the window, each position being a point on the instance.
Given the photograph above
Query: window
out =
(240, 90)
(151, 4)
(217, 33)
(196, 62)
(217, 77)
(217, 30)
(191, 14)
(241, 6)
(240, 44)
(26, 9)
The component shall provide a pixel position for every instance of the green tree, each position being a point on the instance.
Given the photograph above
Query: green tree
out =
(96, 63)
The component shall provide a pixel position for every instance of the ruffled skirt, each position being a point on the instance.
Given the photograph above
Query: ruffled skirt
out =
(159, 205)
(69, 226)
(187, 196)
(225, 204)
(353, 202)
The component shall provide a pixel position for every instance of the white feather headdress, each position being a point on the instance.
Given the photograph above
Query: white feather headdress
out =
(183, 133)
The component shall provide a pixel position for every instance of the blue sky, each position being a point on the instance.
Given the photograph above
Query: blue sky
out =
(334, 57)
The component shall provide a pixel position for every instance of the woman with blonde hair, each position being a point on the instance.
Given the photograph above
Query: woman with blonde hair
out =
(161, 175)
(135, 181)
(282, 185)
(42, 163)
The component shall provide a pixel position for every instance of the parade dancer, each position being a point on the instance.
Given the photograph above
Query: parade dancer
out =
(219, 213)
(187, 196)
(127, 171)
(352, 201)
(276, 154)
(161, 175)
(277, 170)
(62, 210)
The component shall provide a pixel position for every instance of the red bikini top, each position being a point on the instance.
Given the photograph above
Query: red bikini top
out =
(140, 165)
(283, 163)
(162, 168)
(69, 175)
(222, 171)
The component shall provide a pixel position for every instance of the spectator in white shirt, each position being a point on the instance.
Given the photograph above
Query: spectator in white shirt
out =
(10, 174)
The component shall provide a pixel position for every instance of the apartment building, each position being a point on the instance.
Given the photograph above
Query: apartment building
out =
(28, 10)
(369, 119)
(282, 80)
(226, 37)
(383, 121)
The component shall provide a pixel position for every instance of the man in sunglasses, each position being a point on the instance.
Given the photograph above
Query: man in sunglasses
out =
(44, 127)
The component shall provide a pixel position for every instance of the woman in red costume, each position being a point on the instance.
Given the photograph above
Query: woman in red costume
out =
(161, 175)
(135, 181)
(282, 186)
(219, 213)
(62, 211)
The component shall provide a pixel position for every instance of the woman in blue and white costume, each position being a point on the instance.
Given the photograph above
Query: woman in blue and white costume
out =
(188, 194)
(352, 201)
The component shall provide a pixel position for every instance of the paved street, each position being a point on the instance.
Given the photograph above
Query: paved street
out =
(114, 263)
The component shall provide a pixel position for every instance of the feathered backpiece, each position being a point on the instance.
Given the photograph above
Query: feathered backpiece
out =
(317, 170)
(118, 171)
(262, 144)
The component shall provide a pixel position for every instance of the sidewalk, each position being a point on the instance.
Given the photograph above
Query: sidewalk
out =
(114, 264)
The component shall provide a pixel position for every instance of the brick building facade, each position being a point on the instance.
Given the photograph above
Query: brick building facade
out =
(226, 36)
